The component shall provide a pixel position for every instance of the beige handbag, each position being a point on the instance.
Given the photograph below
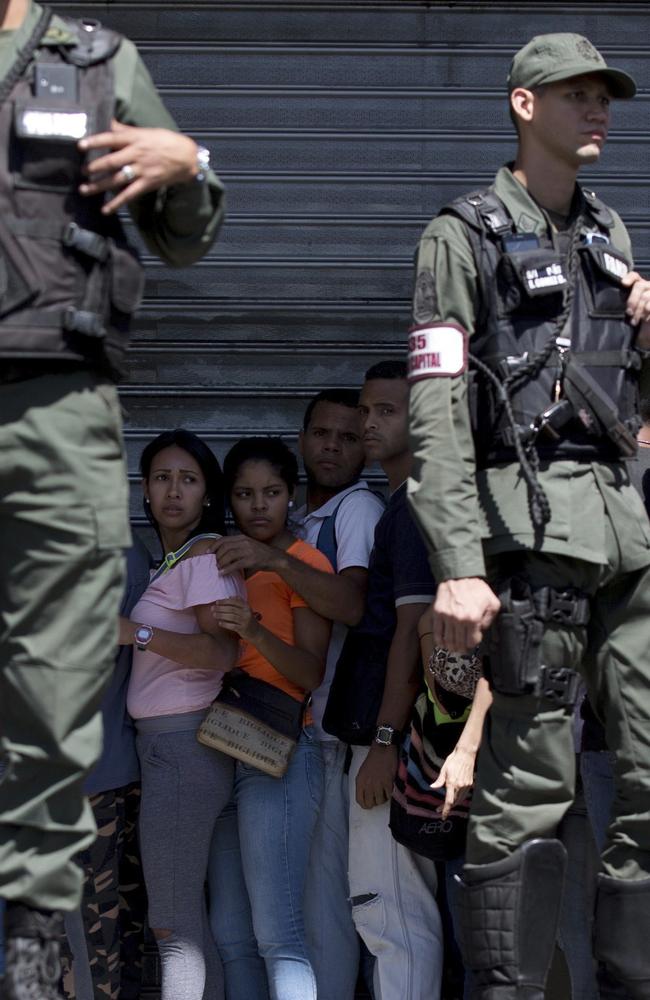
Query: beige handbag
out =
(254, 722)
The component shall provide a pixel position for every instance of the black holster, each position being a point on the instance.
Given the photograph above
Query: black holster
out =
(514, 664)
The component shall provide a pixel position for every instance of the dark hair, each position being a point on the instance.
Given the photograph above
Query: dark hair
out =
(261, 449)
(342, 397)
(644, 409)
(387, 369)
(213, 517)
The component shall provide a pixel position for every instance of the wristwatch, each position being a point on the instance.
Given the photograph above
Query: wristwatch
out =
(202, 162)
(143, 636)
(387, 736)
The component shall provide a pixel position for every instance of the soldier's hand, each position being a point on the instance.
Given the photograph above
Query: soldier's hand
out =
(638, 301)
(462, 611)
(137, 160)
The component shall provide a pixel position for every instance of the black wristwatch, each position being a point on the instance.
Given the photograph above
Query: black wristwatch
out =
(387, 736)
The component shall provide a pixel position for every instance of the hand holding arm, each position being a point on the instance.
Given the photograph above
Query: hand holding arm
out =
(211, 648)
(338, 597)
(302, 663)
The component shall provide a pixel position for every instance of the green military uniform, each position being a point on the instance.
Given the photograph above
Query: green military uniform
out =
(477, 523)
(63, 525)
(597, 539)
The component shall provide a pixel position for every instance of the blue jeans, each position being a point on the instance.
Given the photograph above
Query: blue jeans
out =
(575, 929)
(331, 934)
(272, 825)
(597, 769)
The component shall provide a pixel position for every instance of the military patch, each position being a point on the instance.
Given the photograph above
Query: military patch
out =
(424, 298)
(526, 223)
(587, 50)
(438, 350)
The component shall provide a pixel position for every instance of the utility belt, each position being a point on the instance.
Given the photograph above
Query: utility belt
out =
(514, 663)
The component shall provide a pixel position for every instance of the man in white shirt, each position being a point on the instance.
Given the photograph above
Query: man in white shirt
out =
(338, 517)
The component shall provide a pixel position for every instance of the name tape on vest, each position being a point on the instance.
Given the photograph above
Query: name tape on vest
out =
(37, 123)
(615, 265)
(548, 276)
(438, 350)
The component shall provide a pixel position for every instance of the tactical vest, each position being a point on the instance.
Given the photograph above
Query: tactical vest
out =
(540, 347)
(69, 282)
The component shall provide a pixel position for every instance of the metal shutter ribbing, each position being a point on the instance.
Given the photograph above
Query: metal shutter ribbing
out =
(339, 128)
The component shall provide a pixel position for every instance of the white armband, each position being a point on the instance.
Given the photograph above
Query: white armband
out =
(437, 350)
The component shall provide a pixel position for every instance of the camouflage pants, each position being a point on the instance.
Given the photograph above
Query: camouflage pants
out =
(113, 905)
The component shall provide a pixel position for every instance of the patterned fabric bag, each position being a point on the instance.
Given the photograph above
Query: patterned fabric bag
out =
(254, 722)
(458, 673)
(414, 818)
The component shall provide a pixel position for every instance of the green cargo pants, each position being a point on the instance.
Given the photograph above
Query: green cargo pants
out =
(63, 524)
(526, 772)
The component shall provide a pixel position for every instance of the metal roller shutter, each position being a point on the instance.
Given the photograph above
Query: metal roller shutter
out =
(339, 128)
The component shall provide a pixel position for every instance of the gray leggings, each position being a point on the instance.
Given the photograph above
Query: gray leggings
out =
(184, 788)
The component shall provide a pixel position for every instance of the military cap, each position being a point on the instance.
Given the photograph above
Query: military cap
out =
(550, 58)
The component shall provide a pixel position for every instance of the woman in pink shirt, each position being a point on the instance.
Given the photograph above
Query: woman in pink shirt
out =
(180, 655)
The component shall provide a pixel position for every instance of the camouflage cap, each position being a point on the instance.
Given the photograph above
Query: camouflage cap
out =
(550, 58)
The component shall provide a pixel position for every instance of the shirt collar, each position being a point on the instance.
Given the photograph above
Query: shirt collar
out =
(527, 215)
(330, 505)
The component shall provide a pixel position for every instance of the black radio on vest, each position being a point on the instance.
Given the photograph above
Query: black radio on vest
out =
(69, 281)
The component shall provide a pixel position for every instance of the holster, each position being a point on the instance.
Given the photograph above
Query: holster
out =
(514, 664)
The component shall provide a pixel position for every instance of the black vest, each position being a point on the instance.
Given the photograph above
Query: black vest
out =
(523, 289)
(69, 282)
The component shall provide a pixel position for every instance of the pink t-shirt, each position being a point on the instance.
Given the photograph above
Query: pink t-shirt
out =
(159, 686)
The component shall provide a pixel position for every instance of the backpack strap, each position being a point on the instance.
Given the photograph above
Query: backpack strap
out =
(483, 210)
(24, 56)
(172, 558)
(598, 210)
(327, 542)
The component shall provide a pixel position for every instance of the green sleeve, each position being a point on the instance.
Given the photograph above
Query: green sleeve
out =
(442, 487)
(178, 224)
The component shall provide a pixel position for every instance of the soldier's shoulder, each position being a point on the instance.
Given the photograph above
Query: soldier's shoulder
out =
(83, 42)
(446, 226)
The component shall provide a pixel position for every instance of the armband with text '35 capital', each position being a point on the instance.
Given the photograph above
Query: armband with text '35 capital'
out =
(437, 350)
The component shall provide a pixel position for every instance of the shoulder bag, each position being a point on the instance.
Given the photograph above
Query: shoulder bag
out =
(254, 722)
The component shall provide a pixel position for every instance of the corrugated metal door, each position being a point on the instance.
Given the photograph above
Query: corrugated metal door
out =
(339, 128)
